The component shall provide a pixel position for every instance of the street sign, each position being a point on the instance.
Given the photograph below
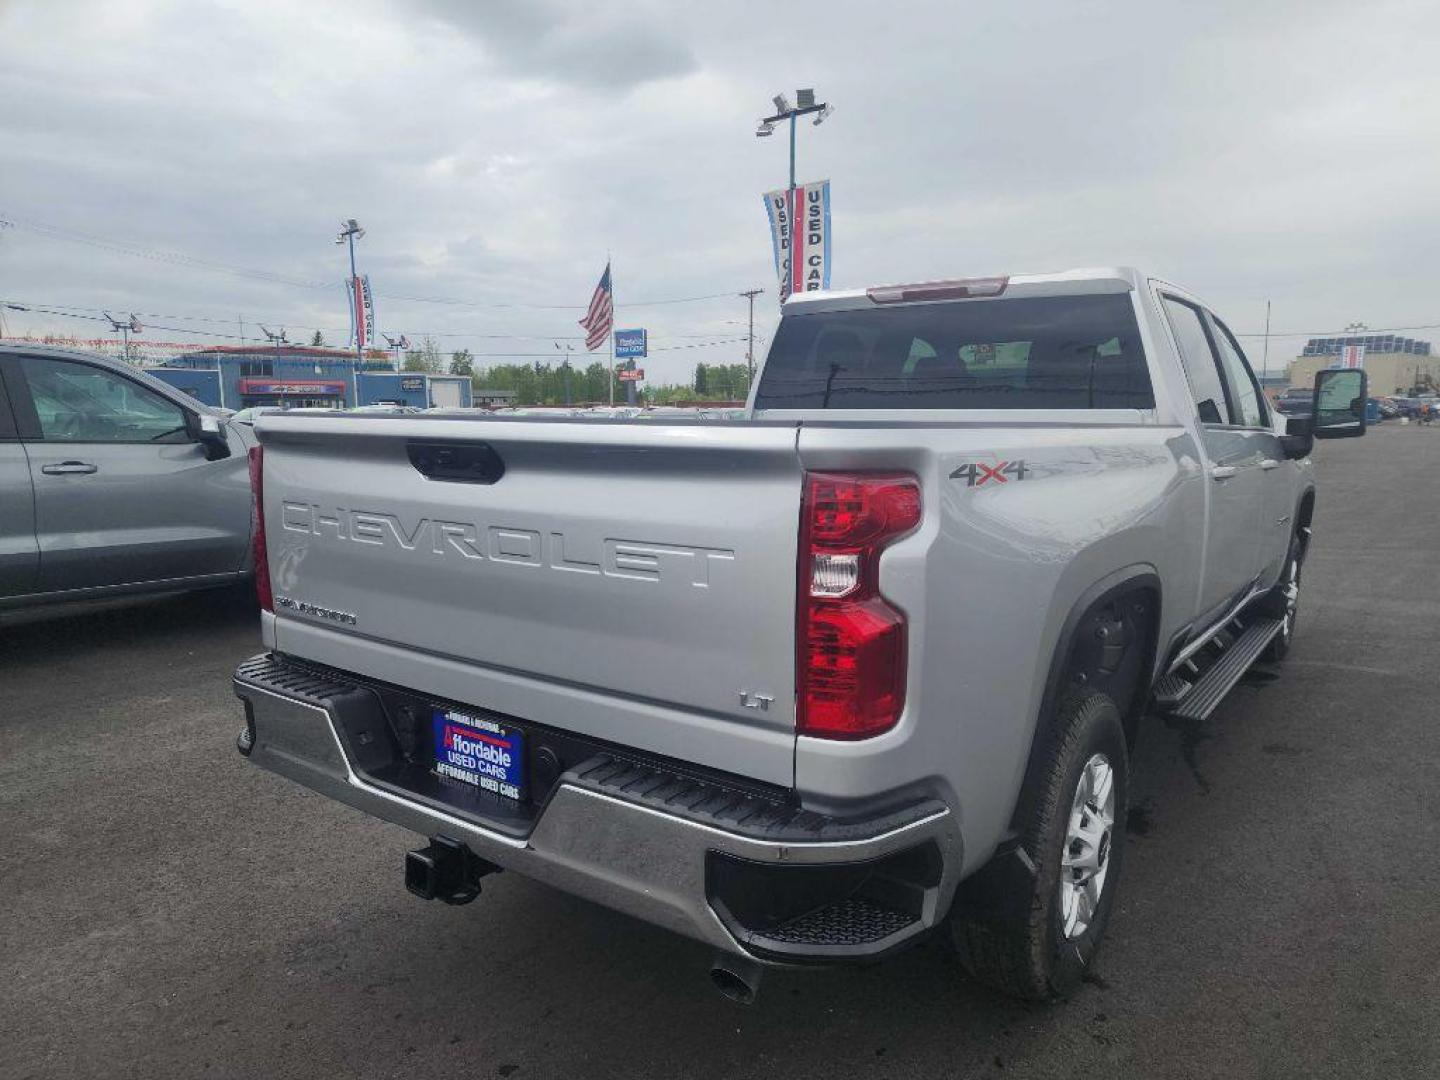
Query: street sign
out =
(629, 344)
(630, 374)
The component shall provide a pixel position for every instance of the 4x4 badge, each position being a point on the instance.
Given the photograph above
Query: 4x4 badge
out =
(977, 474)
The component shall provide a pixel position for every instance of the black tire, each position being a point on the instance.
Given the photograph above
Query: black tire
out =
(1283, 603)
(1008, 925)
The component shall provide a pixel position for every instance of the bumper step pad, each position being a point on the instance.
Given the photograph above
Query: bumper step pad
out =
(854, 921)
(759, 816)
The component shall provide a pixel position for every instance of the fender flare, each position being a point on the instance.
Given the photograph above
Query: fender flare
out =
(1116, 583)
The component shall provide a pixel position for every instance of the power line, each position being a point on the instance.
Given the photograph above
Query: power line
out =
(55, 232)
(1369, 332)
(69, 311)
(705, 344)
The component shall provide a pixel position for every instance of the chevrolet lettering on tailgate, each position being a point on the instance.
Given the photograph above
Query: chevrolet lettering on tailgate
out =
(636, 560)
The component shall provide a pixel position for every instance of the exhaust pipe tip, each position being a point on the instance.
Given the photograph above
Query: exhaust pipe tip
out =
(737, 978)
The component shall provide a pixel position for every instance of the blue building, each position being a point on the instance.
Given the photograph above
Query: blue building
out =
(302, 376)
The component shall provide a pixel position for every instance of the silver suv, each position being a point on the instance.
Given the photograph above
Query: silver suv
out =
(112, 482)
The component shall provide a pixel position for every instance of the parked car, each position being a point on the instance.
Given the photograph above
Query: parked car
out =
(387, 409)
(810, 685)
(112, 482)
(1294, 400)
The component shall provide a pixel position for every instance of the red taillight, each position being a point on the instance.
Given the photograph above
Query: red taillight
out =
(262, 561)
(851, 652)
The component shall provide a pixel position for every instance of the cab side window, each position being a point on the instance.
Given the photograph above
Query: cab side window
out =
(76, 402)
(1199, 360)
(8, 428)
(1244, 390)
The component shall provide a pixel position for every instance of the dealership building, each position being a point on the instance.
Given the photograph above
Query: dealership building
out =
(1394, 364)
(297, 376)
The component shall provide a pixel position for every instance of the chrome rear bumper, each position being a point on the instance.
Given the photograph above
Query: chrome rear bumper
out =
(612, 839)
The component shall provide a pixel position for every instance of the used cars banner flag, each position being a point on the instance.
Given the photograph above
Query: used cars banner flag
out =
(810, 269)
(362, 310)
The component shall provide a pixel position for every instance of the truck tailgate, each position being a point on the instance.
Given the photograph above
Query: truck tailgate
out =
(630, 581)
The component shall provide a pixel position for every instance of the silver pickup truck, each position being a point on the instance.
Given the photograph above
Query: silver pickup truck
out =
(811, 684)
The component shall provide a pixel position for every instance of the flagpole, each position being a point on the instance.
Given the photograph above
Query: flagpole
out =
(609, 269)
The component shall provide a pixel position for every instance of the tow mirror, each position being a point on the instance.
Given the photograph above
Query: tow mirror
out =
(1338, 411)
(1298, 441)
(209, 431)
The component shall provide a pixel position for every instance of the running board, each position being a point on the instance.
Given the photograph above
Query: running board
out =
(1200, 699)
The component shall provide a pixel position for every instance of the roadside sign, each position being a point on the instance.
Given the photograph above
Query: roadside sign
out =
(630, 374)
(630, 343)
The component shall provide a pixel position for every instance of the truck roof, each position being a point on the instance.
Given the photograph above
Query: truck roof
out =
(1087, 279)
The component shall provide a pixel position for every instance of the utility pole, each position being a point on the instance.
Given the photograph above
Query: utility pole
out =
(1265, 358)
(3, 225)
(805, 104)
(750, 294)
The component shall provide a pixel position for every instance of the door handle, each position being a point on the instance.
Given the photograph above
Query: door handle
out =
(1269, 463)
(69, 468)
(1223, 472)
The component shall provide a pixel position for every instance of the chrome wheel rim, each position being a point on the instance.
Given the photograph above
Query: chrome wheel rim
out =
(1085, 859)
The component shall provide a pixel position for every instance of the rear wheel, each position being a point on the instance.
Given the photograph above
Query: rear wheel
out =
(1036, 935)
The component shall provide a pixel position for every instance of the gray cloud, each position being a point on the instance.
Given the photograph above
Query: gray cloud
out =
(597, 47)
(495, 152)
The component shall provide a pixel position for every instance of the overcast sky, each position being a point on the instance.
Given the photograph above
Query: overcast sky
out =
(496, 149)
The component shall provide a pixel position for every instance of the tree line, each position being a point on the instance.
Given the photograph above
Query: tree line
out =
(563, 383)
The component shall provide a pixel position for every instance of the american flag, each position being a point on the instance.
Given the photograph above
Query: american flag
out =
(601, 316)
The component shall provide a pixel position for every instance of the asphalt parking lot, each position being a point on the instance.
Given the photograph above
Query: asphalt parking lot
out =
(168, 910)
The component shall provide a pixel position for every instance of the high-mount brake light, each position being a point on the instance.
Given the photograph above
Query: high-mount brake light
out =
(263, 592)
(966, 289)
(850, 642)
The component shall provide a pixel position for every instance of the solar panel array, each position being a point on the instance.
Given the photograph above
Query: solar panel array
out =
(1378, 343)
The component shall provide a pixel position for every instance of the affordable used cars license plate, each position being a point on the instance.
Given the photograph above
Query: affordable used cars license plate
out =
(481, 752)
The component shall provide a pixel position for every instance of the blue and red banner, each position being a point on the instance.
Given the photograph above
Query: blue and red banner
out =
(810, 268)
(362, 310)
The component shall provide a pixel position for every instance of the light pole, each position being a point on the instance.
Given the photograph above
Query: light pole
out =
(402, 342)
(350, 231)
(124, 327)
(805, 104)
(750, 294)
(567, 350)
(1354, 329)
(275, 339)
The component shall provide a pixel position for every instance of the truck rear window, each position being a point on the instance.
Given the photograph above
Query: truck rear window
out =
(1054, 352)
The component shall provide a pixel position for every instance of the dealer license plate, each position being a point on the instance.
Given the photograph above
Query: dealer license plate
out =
(481, 752)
